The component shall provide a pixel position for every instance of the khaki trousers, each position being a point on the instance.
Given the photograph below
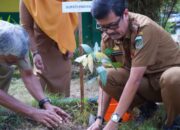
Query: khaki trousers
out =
(56, 75)
(155, 87)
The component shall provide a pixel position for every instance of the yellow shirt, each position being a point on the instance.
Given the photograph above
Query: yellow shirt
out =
(57, 25)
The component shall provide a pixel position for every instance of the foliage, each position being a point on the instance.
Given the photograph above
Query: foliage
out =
(167, 8)
(154, 123)
(12, 121)
(170, 27)
(9, 120)
(177, 6)
(150, 8)
(158, 10)
(72, 107)
(95, 61)
(9, 19)
(16, 122)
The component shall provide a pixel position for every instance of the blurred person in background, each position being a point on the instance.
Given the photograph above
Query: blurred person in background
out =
(52, 42)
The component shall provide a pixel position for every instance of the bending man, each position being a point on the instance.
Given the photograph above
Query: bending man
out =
(14, 51)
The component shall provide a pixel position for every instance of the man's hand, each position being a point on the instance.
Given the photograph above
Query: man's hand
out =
(97, 125)
(106, 42)
(70, 55)
(47, 117)
(38, 62)
(111, 126)
(105, 37)
(62, 114)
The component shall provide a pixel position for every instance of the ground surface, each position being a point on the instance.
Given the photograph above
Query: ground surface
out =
(16, 122)
(18, 90)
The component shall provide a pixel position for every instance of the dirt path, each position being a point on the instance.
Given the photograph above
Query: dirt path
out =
(90, 88)
(18, 90)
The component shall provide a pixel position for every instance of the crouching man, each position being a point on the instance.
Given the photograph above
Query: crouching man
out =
(151, 64)
(14, 51)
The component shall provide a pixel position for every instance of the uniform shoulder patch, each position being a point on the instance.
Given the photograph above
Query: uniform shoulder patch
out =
(139, 42)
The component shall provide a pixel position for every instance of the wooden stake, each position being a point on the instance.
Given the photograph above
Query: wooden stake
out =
(81, 74)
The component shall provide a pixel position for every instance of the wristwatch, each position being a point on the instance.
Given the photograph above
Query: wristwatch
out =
(43, 101)
(116, 118)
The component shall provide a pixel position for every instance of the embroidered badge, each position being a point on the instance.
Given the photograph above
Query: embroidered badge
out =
(139, 42)
(116, 47)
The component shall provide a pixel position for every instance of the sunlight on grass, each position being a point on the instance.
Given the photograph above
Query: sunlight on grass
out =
(19, 91)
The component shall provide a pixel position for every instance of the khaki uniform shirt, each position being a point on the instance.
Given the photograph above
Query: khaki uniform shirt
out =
(147, 44)
(153, 46)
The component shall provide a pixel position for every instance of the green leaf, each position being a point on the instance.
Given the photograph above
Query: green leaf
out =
(99, 56)
(106, 63)
(108, 51)
(86, 48)
(9, 18)
(117, 64)
(102, 74)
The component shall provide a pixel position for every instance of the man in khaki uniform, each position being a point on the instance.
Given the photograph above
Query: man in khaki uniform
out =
(151, 64)
(117, 56)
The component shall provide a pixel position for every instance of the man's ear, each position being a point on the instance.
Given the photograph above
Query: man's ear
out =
(125, 14)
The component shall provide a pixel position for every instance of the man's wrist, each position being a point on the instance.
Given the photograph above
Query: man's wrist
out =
(29, 111)
(100, 119)
(44, 102)
(47, 105)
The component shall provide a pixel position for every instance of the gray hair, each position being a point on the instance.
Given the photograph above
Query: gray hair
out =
(13, 40)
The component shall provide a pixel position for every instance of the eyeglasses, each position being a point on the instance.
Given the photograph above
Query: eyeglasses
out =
(111, 26)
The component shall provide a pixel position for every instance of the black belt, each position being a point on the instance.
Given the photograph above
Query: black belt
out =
(116, 53)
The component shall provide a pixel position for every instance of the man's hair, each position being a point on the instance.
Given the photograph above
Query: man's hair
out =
(13, 40)
(101, 8)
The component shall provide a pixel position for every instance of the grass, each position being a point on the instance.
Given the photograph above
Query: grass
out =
(154, 123)
(12, 121)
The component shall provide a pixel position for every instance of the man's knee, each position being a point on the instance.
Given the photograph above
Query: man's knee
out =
(170, 77)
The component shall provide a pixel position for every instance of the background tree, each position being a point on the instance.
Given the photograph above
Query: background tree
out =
(158, 10)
